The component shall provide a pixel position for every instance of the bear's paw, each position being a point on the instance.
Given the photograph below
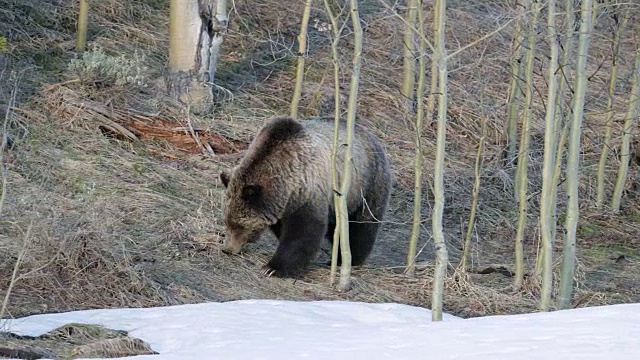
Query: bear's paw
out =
(268, 271)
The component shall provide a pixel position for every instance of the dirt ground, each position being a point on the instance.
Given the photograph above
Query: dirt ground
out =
(97, 220)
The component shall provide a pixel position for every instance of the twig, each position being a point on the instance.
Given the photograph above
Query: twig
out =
(5, 143)
(473, 43)
(14, 274)
(410, 26)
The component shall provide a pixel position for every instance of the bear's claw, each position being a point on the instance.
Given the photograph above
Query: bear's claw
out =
(267, 271)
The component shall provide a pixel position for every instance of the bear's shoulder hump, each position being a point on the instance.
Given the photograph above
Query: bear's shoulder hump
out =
(282, 128)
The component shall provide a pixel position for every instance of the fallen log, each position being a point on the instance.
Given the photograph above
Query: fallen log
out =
(137, 126)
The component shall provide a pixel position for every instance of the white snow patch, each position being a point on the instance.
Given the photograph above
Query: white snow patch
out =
(269, 329)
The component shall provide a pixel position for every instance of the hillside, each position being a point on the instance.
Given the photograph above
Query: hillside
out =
(100, 220)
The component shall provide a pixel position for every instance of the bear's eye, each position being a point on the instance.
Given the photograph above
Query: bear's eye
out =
(250, 192)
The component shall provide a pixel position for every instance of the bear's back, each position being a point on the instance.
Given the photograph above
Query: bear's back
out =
(296, 157)
(369, 159)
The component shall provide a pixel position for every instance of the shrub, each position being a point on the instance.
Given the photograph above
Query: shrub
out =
(96, 66)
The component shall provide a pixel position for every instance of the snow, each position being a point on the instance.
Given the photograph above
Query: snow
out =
(269, 329)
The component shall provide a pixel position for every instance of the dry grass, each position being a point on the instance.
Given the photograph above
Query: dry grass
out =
(118, 223)
(73, 341)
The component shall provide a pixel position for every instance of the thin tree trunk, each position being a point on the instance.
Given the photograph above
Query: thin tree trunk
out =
(548, 193)
(431, 97)
(336, 131)
(83, 21)
(561, 124)
(517, 69)
(613, 77)
(562, 142)
(573, 158)
(417, 164)
(476, 188)
(302, 53)
(625, 148)
(440, 57)
(345, 251)
(409, 60)
(521, 180)
(561, 112)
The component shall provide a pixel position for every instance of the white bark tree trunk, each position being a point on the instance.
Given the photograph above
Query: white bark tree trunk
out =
(573, 159)
(196, 33)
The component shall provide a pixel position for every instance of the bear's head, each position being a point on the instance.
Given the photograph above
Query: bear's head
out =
(259, 188)
(245, 215)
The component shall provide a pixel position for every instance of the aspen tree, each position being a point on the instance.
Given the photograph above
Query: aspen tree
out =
(517, 71)
(632, 113)
(417, 164)
(196, 33)
(302, 52)
(613, 77)
(521, 180)
(345, 251)
(83, 20)
(476, 188)
(440, 57)
(573, 157)
(337, 31)
(548, 193)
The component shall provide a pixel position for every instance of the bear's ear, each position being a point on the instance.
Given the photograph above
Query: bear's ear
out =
(225, 176)
(252, 192)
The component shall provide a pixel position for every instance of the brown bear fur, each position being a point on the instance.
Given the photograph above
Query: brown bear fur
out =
(284, 183)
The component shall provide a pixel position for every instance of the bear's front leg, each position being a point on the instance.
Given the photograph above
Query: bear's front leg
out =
(301, 235)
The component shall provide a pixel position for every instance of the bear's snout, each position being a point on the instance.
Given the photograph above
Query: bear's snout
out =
(230, 246)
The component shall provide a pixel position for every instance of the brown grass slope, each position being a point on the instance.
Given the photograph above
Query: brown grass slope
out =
(105, 221)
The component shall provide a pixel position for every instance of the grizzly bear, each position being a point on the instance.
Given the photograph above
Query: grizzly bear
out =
(284, 183)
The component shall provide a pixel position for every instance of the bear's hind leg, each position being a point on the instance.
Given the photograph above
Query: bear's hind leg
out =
(301, 234)
(363, 231)
(365, 222)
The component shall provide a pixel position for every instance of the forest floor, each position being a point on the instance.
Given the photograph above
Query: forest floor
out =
(101, 217)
